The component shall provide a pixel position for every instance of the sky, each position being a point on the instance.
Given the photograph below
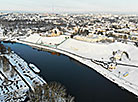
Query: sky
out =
(70, 5)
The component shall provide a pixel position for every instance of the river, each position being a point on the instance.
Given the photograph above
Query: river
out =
(82, 82)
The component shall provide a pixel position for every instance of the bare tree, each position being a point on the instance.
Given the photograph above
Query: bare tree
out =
(52, 92)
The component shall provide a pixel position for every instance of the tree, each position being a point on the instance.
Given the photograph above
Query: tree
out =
(2, 48)
(9, 50)
(52, 92)
(12, 71)
(0, 61)
(5, 65)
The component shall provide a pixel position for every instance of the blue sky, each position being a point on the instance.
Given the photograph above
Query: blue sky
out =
(70, 5)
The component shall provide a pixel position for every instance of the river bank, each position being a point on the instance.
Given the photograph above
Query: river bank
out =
(113, 76)
(85, 84)
(16, 77)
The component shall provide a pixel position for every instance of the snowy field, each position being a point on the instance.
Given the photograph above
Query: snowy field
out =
(103, 52)
(36, 38)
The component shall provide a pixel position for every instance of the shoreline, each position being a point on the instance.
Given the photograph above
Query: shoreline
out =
(104, 72)
(22, 69)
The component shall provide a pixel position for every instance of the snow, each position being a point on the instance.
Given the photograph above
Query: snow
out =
(20, 82)
(10, 87)
(36, 38)
(23, 69)
(102, 52)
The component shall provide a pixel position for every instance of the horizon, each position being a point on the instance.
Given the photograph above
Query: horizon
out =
(72, 6)
(92, 12)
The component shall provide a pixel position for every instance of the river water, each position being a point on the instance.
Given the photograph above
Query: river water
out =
(82, 82)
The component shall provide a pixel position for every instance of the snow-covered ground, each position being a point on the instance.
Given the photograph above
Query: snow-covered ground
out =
(14, 84)
(23, 69)
(99, 50)
(103, 52)
(36, 38)
(16, 78)
(124, 74)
